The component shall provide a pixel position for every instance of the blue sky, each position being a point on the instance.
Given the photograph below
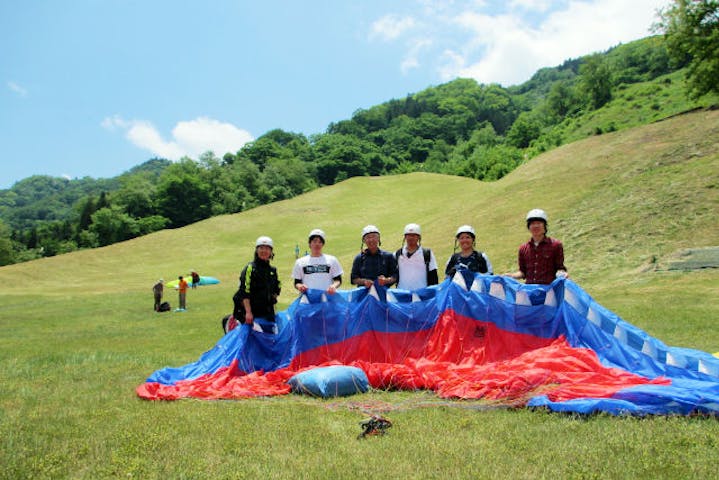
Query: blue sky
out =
(95, 87)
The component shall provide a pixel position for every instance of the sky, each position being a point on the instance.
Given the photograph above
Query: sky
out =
(96, 87)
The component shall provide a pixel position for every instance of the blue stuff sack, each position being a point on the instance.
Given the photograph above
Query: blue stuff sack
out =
(333, 381)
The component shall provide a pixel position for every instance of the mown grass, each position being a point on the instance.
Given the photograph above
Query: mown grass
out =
(77, 333)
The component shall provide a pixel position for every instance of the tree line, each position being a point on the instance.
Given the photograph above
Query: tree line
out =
(458, 128)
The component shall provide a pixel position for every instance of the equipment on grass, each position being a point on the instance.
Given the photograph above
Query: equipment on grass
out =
(203, 281)
(374, 425)
(471, 337)
(332, 381)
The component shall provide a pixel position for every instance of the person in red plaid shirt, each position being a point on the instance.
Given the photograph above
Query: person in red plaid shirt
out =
(541, 259)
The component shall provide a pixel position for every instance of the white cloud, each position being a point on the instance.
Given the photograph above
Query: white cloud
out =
(518, 37)
(190, 138)
(114, 122)
(531, 5)
(411, 60)
(390, 27)
(17, 88)
(515, 51)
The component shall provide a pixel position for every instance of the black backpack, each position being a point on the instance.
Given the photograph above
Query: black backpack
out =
(164, 307)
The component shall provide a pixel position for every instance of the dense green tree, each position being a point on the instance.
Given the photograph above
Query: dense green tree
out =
(112, 225)
(373, 119)
(88, 239)
(498, 108)
(596, 81)
(691, 28)
(526, 128)
(86, 207)
(342, 156)
(103, 201)
(136, 196)
(486, 163)
(7, 250)
(182, 196)
(561, 100)
(291, 174)
(639, 61)
(347, 127)
(153, 223)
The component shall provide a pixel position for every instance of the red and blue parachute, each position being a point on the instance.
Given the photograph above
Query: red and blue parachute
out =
(473, 336)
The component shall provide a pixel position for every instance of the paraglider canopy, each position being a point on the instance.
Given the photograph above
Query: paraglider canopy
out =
(203, 281)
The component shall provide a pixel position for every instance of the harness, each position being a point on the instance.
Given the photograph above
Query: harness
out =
(475, 257)
(374, 425)
(426, 252)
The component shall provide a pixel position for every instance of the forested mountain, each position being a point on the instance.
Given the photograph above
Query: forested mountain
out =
(458, 128)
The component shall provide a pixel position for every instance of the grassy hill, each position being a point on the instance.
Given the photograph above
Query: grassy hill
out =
(620, 202)
(77, 333)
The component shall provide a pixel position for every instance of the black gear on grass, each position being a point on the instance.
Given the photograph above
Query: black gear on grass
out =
(374, 425)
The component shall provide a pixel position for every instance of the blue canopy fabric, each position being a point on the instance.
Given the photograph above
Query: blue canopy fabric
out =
(472, 336)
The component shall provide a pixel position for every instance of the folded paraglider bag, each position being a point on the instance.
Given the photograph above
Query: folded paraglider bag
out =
(164, 307)
(334, 381)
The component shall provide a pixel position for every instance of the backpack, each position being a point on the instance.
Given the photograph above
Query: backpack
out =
(164, 307)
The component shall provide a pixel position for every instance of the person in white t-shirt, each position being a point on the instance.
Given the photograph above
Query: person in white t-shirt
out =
(317, 270)
(416, 265)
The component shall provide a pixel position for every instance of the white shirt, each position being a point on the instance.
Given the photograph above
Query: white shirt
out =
(412, 272)
(317, 272)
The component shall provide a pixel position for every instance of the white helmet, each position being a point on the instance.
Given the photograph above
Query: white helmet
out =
(465, 229)
(370, 229)
(263, 240)
(412, 228)
(536, 214)
(317, 233)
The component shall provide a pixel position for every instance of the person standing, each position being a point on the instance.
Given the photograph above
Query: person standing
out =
(372, 263)
(541, 259)
(157, 291)
(416, 265)
(254, 301)
(468, 258)
(195, 279)
(317, 270)
(182, 291)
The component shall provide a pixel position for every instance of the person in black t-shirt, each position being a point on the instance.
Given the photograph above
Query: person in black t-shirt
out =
(372, 263)
(467, 258)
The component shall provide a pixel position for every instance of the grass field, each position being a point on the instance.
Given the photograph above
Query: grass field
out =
(78, 334)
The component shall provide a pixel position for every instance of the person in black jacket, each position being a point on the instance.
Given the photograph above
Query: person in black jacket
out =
(259, 289)
(467, 258)
(372, 263)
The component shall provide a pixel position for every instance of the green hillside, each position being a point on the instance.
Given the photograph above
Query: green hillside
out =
(460, 128)
(77, 332)
(619, 201)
